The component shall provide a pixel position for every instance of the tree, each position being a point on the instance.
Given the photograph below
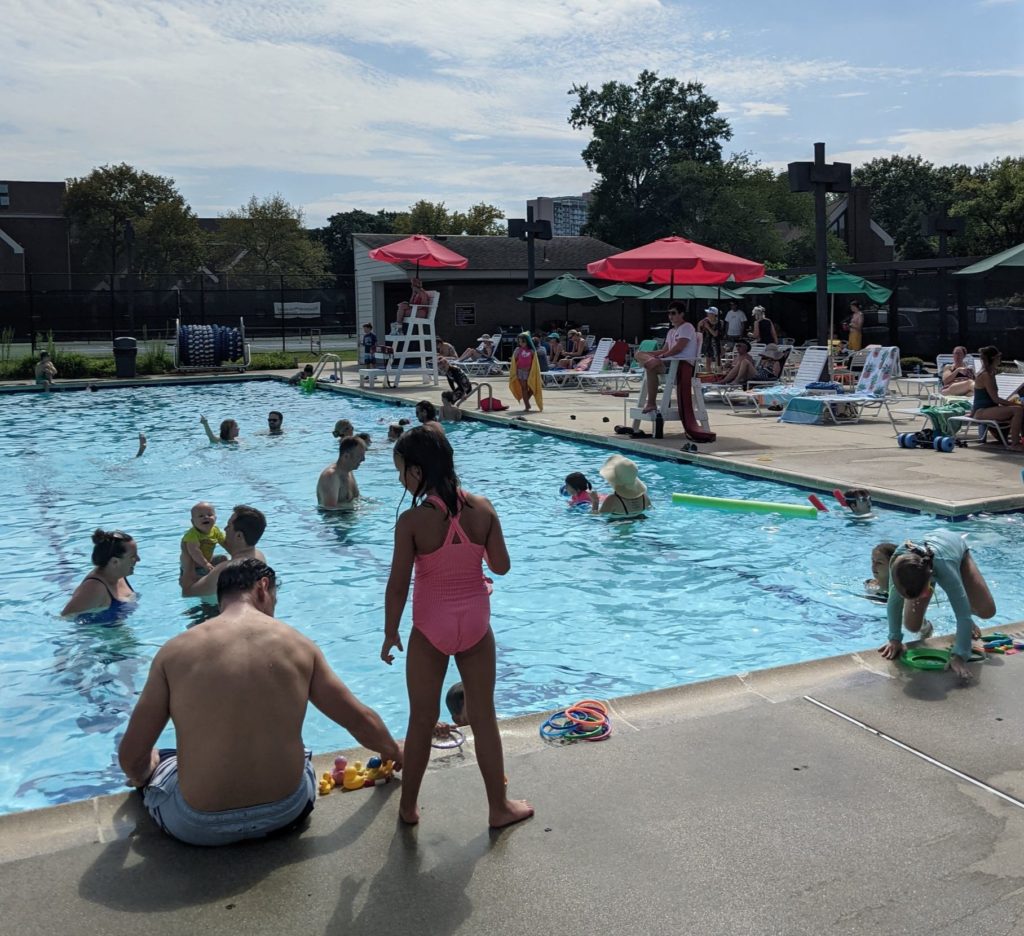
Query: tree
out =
(639, 132)
(265, 236)
(434, 218)
(904, 190)
(102, 204)
(991, 200)
(337, 235)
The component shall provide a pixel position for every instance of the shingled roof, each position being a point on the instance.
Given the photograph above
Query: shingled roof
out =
(509, 253)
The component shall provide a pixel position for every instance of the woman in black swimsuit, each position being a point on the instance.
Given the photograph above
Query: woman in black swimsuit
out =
(114, 557)
(629, 497)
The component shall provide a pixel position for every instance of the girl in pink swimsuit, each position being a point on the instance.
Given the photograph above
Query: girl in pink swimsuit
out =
(445, 535)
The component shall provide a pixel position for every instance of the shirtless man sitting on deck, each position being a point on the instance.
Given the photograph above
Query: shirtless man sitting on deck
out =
(237, 688)
(337, 486)
(242, 533)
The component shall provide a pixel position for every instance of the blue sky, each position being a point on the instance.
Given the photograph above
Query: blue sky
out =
(341, 104)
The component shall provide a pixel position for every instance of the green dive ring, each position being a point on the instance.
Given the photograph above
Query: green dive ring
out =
(926, 658)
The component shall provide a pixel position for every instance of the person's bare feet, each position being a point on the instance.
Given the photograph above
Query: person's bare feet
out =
(650, 407)
(511, 812)
(959, 667)
(409, 816)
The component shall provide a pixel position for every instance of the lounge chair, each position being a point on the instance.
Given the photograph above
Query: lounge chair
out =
(871, 392)
(564, 378)
(1006, 386)
(812, 365)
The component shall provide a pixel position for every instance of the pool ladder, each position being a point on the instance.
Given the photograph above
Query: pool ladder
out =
(321, 365)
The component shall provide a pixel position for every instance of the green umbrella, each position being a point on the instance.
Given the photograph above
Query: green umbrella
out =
(566, 288)
(1014, 257)
(692, 292)
(759, 287)
(838, 283)
(624, 291)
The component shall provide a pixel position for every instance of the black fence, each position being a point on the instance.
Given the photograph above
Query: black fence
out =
(86, 308)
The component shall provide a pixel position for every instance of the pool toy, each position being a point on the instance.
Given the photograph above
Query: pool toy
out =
(587, 720)
(816, 501)
(327, 783)
(308, 384)
(838, 495)
(806, 511)
(355, 776)
(925, 658)
(338, 773)
(455, 739)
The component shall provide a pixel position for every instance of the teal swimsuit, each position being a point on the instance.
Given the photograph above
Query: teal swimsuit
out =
(949, 549)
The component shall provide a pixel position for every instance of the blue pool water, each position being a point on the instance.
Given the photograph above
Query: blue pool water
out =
(589, 609)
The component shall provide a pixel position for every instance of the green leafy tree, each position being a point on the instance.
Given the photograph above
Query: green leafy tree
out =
(336, 237)
(100, 207)
(639, 133)
(427, 217)
(266, 236)
(480, 219)
(904, 190)
(991, 200)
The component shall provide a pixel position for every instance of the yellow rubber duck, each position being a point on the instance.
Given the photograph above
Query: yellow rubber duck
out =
(326, 784)
(355, 776)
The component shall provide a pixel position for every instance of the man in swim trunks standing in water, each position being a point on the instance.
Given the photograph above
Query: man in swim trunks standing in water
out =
(238, 686)
(337, 486)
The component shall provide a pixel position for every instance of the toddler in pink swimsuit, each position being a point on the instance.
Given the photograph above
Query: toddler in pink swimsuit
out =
(445, 536)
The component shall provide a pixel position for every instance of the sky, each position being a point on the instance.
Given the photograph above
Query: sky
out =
(344, 104)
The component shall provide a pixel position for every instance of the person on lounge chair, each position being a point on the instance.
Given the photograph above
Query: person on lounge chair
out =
(957, 378)
(743, 367)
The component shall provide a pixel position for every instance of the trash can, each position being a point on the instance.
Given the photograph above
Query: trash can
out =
(125, 350)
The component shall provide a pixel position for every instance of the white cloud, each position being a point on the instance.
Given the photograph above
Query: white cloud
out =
(764, 109)
(970, 145)
(850, 94)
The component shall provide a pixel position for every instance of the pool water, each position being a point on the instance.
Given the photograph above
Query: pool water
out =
(590, 608)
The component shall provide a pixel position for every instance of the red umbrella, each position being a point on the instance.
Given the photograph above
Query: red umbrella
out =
(422, 251)
(675, 260)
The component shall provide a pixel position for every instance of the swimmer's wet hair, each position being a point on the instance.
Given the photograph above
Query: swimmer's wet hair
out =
(342, 429)
(578, 481)
(250, 522)
(883, 552)
(241, 575)
(455, 699)
(365, 437)
(428, 409)
(225, 429)
(431, 452)
(911, 573)
(349, 444)
(108, 545)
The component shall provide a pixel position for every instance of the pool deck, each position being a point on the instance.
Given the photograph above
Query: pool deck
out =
(740, 805)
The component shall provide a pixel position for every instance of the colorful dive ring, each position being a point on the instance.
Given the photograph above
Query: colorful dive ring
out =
(926, 658)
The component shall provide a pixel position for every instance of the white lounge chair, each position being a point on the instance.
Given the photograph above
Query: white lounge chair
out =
(812, 364)
(871, 392)
(564, 378)
(1006, 386)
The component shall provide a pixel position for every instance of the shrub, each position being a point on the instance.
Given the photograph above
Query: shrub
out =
(274, 360)
(155, 359)
(907, 364)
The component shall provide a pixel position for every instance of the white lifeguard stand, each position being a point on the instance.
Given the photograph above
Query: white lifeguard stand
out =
(415, 349)
(668, 405)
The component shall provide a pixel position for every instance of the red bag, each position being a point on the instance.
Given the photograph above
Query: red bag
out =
(490, 404)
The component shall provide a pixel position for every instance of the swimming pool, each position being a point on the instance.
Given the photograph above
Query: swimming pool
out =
(590, 608)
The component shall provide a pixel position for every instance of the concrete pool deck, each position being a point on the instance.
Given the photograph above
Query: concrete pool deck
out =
(735, 806)
(738, 805)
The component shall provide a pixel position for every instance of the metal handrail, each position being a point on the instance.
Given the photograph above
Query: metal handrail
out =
(323, 362)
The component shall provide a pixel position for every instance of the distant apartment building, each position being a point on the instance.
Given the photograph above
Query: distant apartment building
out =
(567, 213)
(33, 232)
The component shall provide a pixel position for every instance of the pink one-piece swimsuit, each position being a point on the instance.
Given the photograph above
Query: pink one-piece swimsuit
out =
(451, 603)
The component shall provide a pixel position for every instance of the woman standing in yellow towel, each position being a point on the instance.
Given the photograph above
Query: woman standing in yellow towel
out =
(524, 380)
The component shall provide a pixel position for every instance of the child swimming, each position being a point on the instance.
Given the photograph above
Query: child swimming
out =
(445, 536)
(577, 488)
(202, 537)
(877, 586)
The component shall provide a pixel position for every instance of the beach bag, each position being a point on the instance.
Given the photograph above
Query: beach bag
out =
(492, 404)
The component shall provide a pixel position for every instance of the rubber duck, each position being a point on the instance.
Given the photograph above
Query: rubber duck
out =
(338, 773)
(326, 784)
(354, 776)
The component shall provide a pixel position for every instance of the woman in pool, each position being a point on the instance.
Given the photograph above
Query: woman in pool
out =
(106, 587)
(426, 413)
(629, 494)
(445, 536)
(228, 430)
(943, 559)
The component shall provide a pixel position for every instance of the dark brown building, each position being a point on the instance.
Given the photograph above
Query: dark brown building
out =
(34, 235)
